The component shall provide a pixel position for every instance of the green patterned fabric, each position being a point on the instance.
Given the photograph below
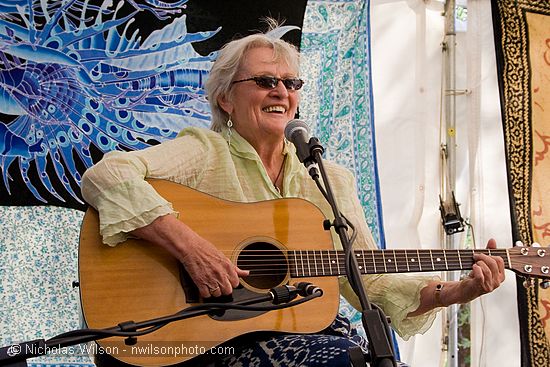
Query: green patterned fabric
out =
(337, 98)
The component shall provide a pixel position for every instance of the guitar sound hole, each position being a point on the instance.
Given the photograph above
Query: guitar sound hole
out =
(267, 264)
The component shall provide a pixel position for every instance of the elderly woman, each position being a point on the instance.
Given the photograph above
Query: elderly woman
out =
(254, 91)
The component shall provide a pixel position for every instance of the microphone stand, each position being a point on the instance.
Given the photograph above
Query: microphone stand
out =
(16, 355)
(374, 321)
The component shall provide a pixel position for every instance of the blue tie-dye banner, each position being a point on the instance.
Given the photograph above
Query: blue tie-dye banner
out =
(80, 78)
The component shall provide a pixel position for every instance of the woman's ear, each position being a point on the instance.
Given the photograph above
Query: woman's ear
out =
(225, 103)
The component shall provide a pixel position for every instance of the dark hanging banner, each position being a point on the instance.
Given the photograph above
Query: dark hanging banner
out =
(80, 79)
(521, 29)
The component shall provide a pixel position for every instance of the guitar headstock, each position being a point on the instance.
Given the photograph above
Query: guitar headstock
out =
(530, 261)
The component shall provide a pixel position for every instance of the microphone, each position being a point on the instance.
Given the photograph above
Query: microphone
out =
(286, 293)
(308, 289)
(297, 132)
(282, 294)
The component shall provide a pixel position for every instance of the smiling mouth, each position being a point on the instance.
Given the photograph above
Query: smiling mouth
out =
(274, 109)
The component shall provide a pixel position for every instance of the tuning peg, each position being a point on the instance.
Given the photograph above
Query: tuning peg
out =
(519, 244)
(535, 244)
(545, 284)
(528, 282)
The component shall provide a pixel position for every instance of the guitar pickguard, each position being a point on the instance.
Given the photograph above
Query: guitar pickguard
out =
(251, 257)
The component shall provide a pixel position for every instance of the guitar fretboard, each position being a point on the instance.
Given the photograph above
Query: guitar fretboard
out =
(316, 263)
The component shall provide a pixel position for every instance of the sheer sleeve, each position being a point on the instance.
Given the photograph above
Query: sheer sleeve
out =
(116, 185)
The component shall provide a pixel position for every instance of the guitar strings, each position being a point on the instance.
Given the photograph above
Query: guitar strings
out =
(396, 258)
(388, 253)
(319, 267)
(315, 263)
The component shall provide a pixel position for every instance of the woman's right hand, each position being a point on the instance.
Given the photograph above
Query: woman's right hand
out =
(211, 271)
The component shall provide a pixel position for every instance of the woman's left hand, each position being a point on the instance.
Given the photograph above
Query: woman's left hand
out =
(487, 274)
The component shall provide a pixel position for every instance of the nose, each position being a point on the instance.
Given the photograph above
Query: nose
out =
(280, 89)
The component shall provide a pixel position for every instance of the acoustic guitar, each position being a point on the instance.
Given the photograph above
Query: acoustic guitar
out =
(280, 241)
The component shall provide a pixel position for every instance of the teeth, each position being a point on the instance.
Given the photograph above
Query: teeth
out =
(275, 109)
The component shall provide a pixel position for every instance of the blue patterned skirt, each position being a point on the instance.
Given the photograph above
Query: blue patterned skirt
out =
(327, 348)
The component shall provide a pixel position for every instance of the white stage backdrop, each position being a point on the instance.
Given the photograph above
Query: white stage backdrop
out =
(407, 63)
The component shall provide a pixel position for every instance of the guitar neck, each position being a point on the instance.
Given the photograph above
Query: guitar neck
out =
(316, 263)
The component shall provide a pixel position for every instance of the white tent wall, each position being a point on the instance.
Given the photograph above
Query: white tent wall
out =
(407, 76)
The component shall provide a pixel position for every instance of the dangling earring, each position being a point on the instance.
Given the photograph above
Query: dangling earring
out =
(229, 124)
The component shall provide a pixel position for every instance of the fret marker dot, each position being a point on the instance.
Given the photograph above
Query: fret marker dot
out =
(438, 259)
(334, 262)
(413, 260)
(389, 260)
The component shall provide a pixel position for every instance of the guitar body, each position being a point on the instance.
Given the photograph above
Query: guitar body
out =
(138, 281)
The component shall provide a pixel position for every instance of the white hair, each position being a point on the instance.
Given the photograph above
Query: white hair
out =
(230, 58)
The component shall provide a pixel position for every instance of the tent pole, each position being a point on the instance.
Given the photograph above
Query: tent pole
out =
(449, 189)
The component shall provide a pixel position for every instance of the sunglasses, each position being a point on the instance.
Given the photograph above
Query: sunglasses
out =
(271, 82)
